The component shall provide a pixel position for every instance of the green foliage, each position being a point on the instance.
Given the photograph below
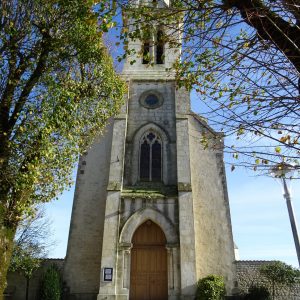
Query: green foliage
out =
(280, 275)
(51, 284)
(32, 240)
(211, 287)
(58, 89)
(24, 261)
(257, 293)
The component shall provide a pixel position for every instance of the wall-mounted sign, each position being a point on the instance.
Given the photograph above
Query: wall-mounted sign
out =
(107, 274)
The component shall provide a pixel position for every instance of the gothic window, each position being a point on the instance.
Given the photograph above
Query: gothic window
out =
(150, 157)
(160, 48)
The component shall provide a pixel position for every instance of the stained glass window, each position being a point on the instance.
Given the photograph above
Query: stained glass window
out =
(150, 157)
(145, 161)
(156, 161)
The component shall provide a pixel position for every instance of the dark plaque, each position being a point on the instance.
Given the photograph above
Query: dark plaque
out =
(107, 274)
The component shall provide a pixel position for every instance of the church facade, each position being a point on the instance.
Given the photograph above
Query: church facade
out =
(150, 214)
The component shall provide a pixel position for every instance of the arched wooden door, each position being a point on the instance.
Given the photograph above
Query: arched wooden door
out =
(148, 275)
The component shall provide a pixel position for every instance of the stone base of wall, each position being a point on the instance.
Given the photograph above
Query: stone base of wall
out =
(90, 296)
(247, 275)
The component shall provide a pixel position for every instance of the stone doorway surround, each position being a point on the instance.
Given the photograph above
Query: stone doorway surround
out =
(125, 245)
(149, 265)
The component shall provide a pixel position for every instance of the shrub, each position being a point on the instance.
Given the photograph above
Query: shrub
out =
(51, 284)
(257, 293)
(279, 275)
(211, 287)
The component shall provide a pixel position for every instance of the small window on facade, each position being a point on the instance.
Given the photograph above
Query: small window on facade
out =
(150, 157)
(151, 100)
(146, 52)
(160, 47)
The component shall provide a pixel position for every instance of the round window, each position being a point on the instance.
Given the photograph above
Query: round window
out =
(151, 100)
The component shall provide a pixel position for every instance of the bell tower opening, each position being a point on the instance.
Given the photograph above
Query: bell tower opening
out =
(148, 275)
(146, 52)
(159, 47)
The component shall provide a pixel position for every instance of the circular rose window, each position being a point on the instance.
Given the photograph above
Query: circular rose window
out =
(151, 100)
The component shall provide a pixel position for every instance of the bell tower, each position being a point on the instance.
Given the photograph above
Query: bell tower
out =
(151, 57)
(151, 213)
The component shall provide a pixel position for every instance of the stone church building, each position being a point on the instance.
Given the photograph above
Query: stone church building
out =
(150, 214)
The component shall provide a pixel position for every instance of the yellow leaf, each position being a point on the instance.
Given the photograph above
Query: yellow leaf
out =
(277, 149)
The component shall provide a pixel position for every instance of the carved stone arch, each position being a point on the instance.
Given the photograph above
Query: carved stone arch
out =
(136, 148)
(142, 216)
(139, 133)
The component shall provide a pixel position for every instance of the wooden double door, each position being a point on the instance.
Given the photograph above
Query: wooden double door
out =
(149, 269)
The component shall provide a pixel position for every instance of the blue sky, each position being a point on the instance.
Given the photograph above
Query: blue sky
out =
(260, 221)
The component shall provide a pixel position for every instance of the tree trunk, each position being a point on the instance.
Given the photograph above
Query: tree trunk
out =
(270, 26)
(6, 247)
(27, 287)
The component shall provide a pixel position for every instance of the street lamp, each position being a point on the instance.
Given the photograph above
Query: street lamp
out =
(281, 171)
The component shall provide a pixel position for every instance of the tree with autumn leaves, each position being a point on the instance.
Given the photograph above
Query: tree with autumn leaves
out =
(242, 59)
(32, 242)
(58, 89)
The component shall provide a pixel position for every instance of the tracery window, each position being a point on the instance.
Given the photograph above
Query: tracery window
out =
(150, 157)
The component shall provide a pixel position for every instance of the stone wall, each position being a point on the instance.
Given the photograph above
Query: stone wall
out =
(160, 119)
(213, 234)
(83, 261)
(248, 274)
(16, 289)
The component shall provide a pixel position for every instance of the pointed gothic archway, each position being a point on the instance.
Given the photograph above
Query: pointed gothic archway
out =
(149, 268)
